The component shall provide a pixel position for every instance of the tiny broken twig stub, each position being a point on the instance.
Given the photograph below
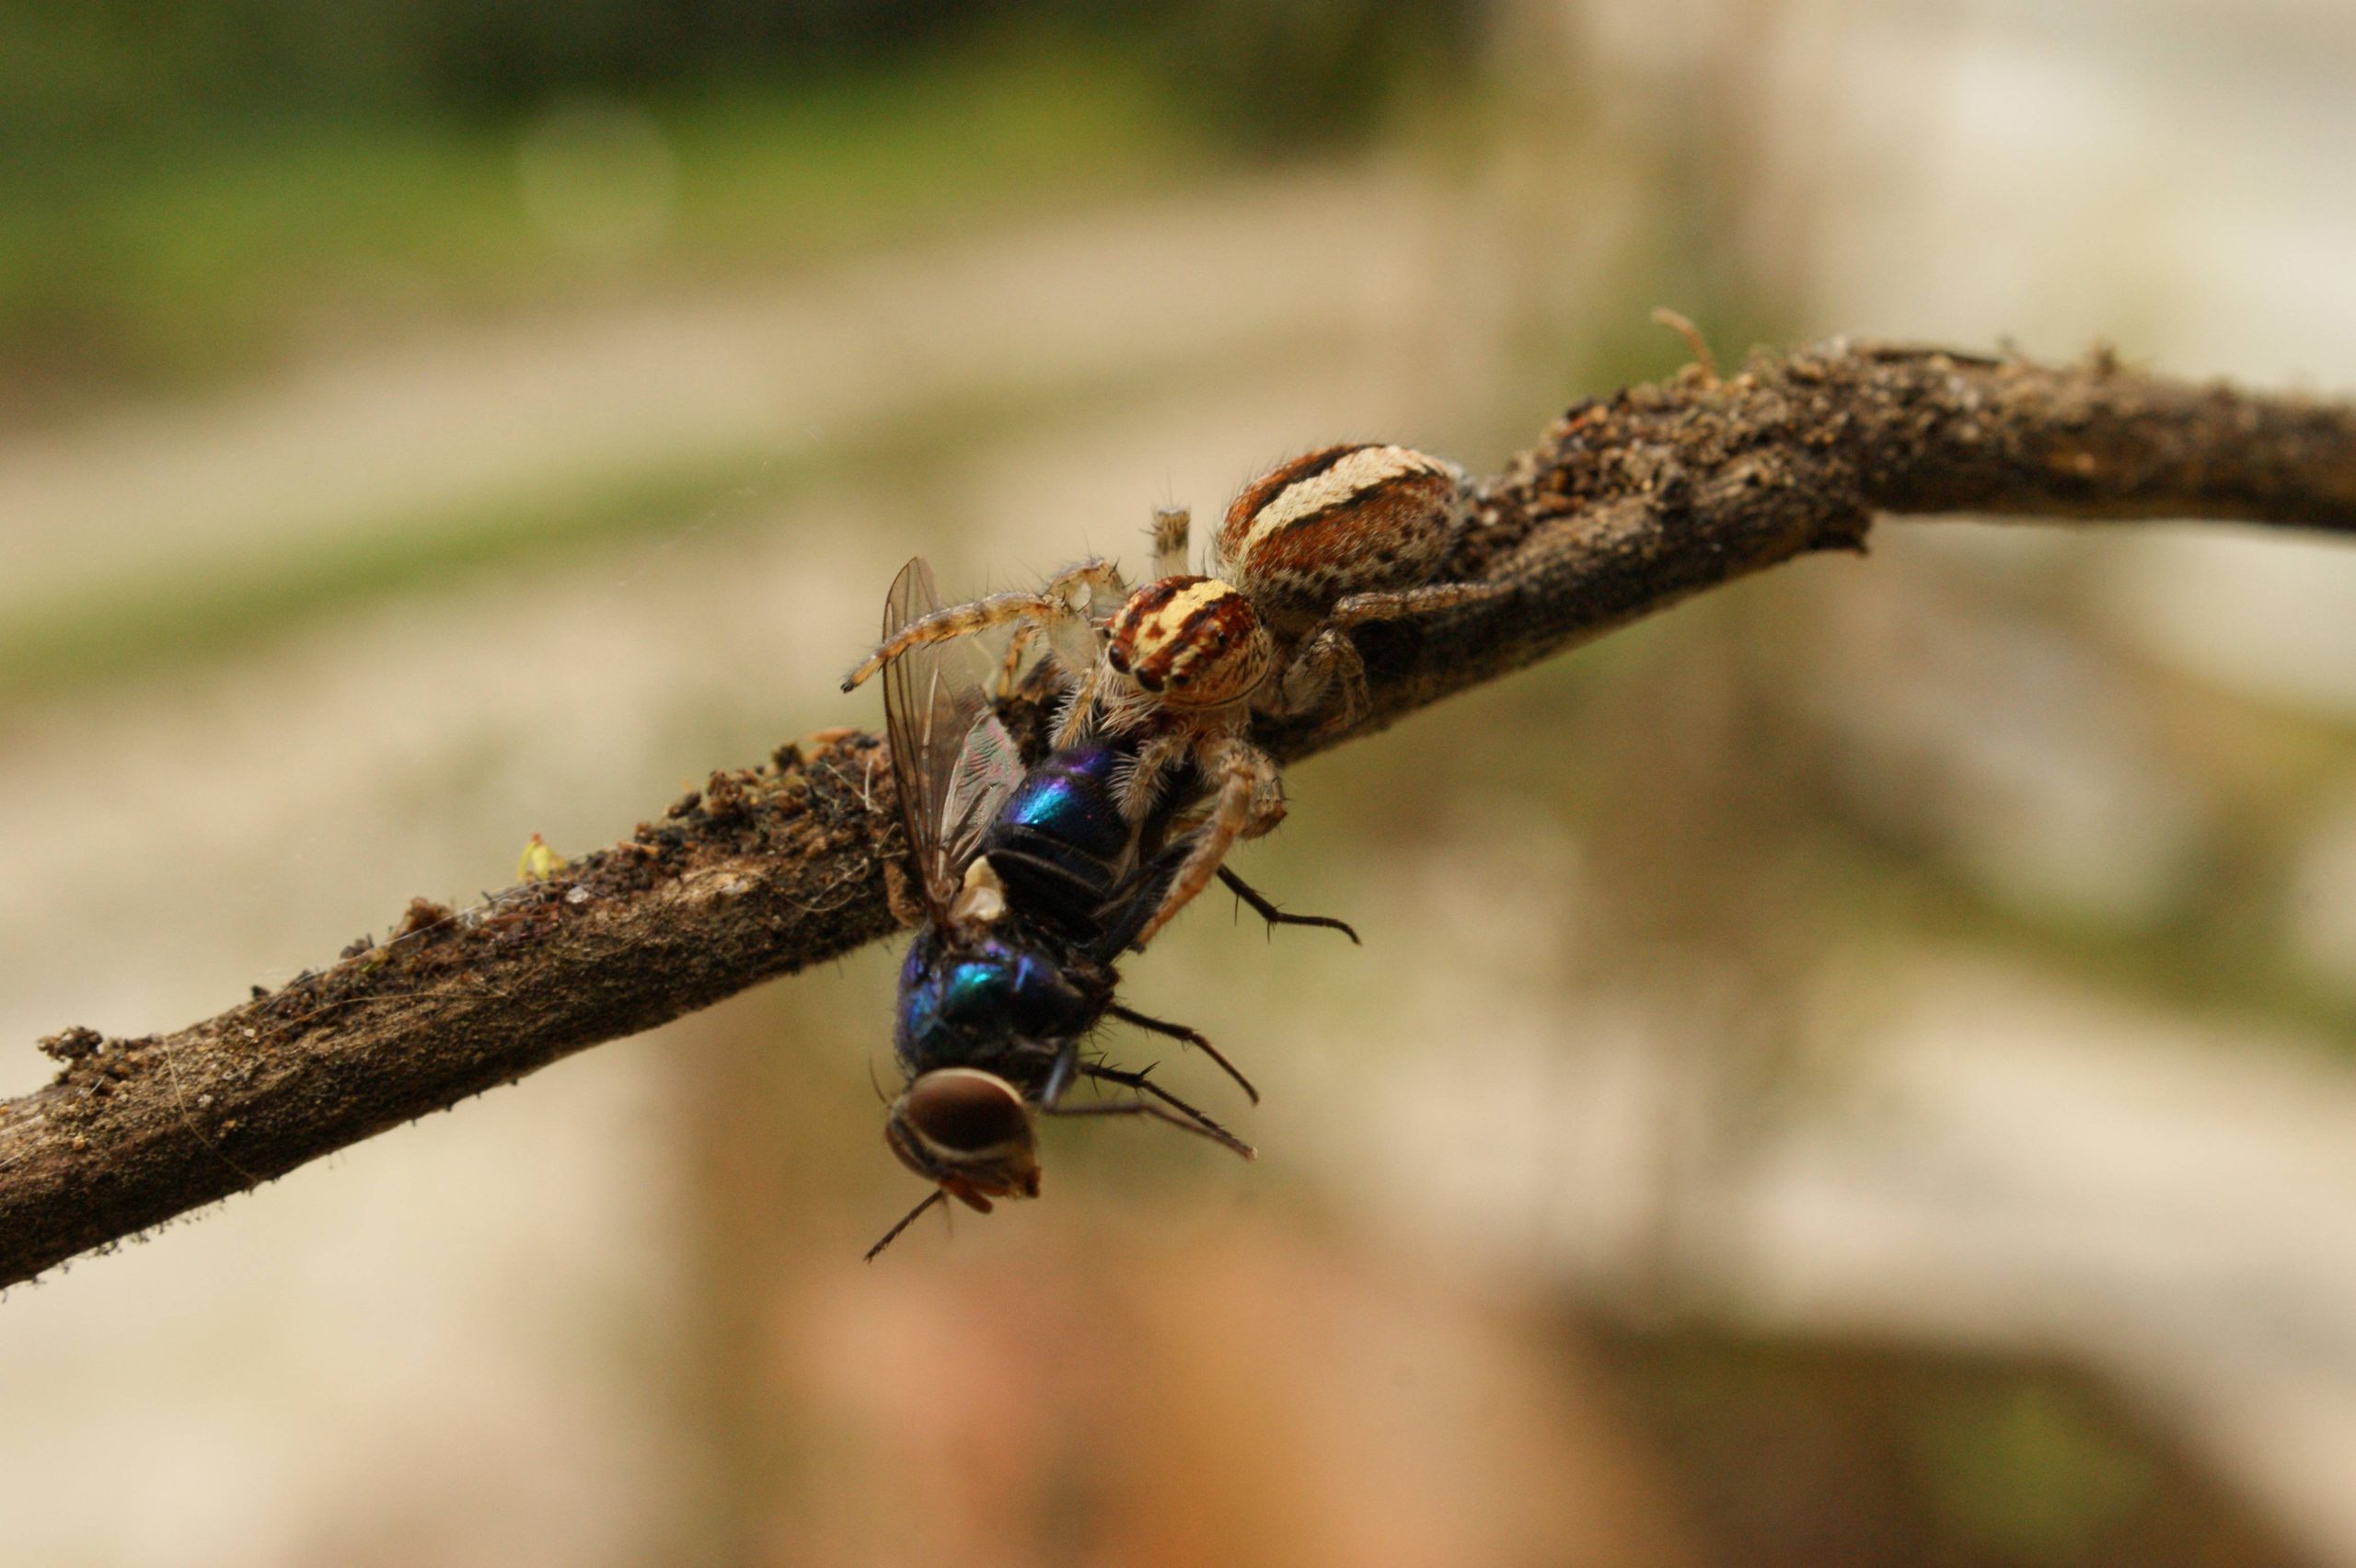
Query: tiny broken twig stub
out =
(1626, 506)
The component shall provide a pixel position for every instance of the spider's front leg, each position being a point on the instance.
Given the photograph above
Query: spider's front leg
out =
(1051, 608)
(957, 621)
(1251, 801)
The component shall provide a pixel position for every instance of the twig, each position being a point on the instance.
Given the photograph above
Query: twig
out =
(1626, 506)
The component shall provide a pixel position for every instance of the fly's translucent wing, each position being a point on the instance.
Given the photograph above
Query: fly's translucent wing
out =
(988, 770)
(950, 754)
(1077, 645)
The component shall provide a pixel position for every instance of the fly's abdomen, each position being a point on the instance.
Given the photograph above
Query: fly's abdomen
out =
(1060, 844)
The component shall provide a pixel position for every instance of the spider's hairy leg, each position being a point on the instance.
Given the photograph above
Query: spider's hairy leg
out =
(1016, 647)
(1251, 801)
(1141, 781)
(1328, 659)
(1359, 609)
(1077, 642)
(959, 620)
(1087, 592)
(1170, 547)
(1095, 574)
(1050, 609)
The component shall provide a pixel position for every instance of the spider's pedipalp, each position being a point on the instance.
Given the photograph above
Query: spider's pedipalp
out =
(1141, 783)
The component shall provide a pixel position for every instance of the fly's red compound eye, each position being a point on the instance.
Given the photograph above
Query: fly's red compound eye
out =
(967, 1113)
(964, 1127)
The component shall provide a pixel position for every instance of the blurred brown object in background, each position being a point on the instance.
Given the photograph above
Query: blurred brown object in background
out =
(1219, 1393)
(1798, 1453)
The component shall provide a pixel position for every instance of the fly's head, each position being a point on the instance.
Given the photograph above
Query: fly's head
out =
(969, 1133)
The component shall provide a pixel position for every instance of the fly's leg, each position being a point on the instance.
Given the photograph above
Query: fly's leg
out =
(1142, 1081)
(1158, 1108)
(1261, 905)
(1180, 1033)
(1059, 1075)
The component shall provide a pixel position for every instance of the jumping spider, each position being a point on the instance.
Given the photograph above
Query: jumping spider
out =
(1339, 536)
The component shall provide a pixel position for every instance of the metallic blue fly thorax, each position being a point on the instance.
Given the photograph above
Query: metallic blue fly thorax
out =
(979, 1004)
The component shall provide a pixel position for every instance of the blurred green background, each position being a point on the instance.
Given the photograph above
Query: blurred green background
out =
(1856, 1071)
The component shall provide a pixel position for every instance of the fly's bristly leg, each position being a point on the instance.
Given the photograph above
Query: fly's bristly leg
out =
(1260, 905)
(1192, 1120)
(1184, 1035)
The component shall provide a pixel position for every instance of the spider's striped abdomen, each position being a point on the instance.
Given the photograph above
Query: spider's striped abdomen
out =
(1343, 520)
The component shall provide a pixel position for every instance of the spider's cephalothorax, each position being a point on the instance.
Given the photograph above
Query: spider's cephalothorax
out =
(1338, 537)
(1190, 641)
